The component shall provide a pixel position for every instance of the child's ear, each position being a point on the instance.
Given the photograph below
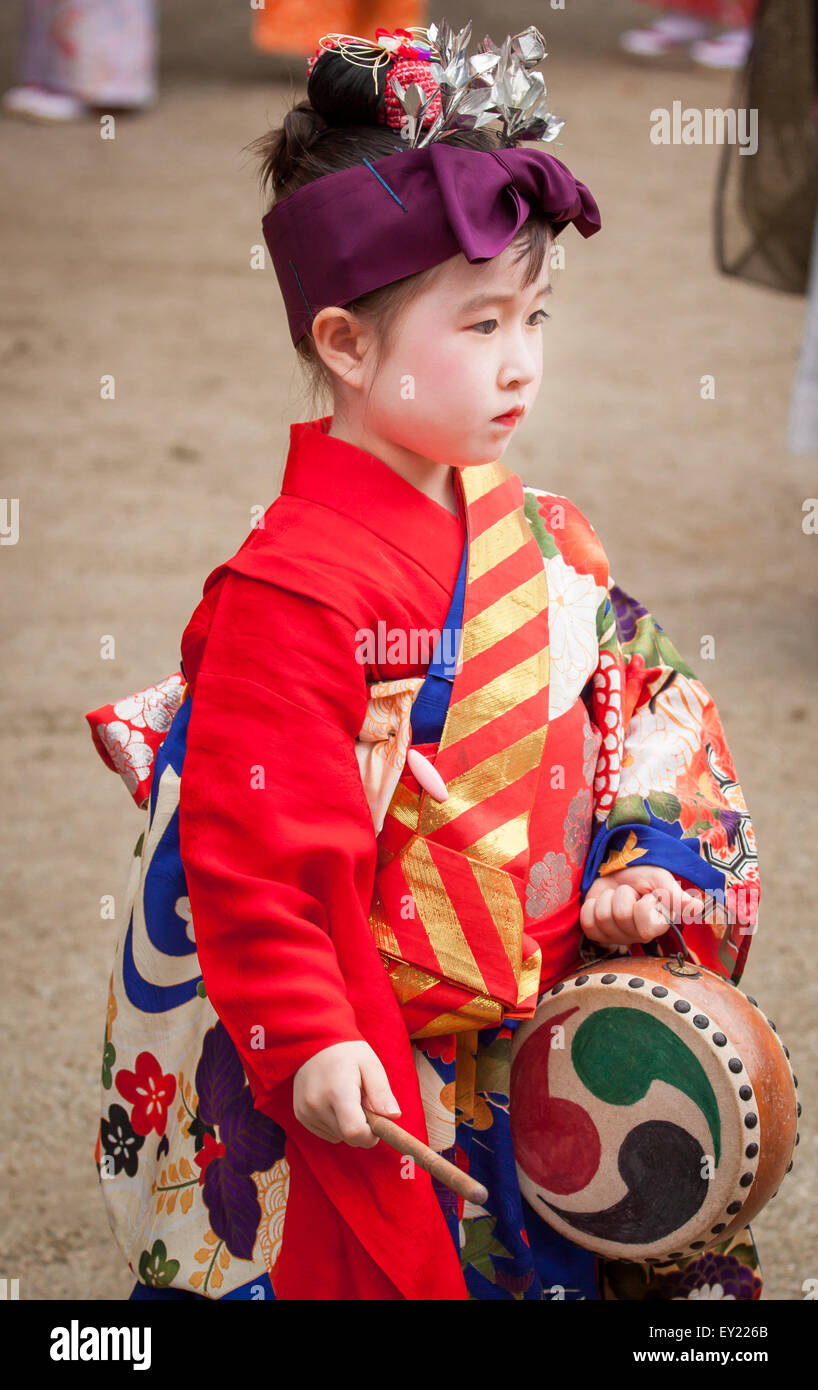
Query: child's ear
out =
(341, 340)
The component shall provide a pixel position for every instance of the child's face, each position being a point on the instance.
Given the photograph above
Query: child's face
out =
(453, 364)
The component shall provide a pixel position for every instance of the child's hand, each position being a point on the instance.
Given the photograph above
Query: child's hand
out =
(330, 1089)
(622, 907)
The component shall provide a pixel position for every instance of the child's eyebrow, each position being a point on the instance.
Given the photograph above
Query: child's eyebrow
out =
(479, 301)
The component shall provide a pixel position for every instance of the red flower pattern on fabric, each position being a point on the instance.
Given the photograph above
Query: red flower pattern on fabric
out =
(576, 539)
(150, 1093)
(638, 680)
(210, 1149)
(443, 1045)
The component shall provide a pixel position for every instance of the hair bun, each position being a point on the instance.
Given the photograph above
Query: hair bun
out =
(345, 93)
(300, 129)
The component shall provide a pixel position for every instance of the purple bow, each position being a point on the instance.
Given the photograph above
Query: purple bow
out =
(355, 230)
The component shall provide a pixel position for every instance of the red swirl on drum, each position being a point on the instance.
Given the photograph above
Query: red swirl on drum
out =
(555, 1140)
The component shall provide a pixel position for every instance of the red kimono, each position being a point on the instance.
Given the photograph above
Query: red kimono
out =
(275, 828)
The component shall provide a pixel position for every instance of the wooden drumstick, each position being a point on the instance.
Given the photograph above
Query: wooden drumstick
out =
(434, 1163)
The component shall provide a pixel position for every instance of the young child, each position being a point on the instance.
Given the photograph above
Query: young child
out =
(423, 757)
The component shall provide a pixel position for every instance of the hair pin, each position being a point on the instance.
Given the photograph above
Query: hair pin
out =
(301, 288)
(385, 184)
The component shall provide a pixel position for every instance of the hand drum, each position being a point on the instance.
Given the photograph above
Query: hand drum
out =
(653, 1108)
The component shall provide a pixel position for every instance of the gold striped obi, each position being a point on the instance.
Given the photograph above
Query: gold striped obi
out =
(448, 904)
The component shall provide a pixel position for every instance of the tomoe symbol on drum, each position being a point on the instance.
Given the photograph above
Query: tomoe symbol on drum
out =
(653, 1108)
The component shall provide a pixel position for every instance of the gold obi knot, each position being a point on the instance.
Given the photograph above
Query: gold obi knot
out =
(447, 911)
(449, 927)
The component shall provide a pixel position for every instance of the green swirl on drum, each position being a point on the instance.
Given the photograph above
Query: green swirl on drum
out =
(617, 1053)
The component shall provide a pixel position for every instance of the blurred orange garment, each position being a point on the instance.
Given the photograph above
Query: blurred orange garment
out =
(295, 26)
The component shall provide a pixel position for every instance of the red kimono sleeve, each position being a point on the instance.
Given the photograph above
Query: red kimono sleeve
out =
(277, 840)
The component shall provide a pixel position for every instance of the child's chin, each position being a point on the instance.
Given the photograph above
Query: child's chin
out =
(486, 456)
(500, 446)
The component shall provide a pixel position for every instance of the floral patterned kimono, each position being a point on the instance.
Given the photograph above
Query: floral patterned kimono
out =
(272, 829)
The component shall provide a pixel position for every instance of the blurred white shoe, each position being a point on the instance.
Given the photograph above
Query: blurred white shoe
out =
(37, 104)
(728, 50)
(671, 34)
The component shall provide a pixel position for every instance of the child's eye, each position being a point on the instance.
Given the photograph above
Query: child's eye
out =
(487, 325)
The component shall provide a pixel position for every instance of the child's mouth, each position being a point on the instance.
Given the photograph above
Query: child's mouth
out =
(509, 420)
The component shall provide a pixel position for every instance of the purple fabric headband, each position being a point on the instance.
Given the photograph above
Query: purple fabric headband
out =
(360, 228)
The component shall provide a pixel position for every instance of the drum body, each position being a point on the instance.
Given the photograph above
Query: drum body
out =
(653, 1108)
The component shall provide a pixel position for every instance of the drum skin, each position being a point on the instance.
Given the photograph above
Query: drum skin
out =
(653, 1108)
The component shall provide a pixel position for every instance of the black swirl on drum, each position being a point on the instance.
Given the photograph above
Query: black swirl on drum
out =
(663, 1169)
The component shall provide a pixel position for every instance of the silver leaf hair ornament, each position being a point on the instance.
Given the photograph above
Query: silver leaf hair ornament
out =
(495, 84)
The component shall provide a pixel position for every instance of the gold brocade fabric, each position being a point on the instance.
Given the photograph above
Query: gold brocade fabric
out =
(447, 911)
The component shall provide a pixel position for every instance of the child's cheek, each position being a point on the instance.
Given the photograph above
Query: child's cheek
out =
(455, 372)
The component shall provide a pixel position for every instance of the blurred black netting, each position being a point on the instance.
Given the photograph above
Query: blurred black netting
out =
(766, 203)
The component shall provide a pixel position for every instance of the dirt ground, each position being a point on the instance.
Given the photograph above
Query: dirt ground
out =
(132, 257)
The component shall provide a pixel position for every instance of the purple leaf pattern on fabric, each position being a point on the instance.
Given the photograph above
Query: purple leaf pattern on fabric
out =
(626, 612)
(219, 1075)
(252, 1142)
(233, 1206)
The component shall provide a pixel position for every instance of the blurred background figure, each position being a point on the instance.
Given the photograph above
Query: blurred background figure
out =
(295, 26)
(766, 212)
(802, 425)
(687, 27)
(79, 55)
